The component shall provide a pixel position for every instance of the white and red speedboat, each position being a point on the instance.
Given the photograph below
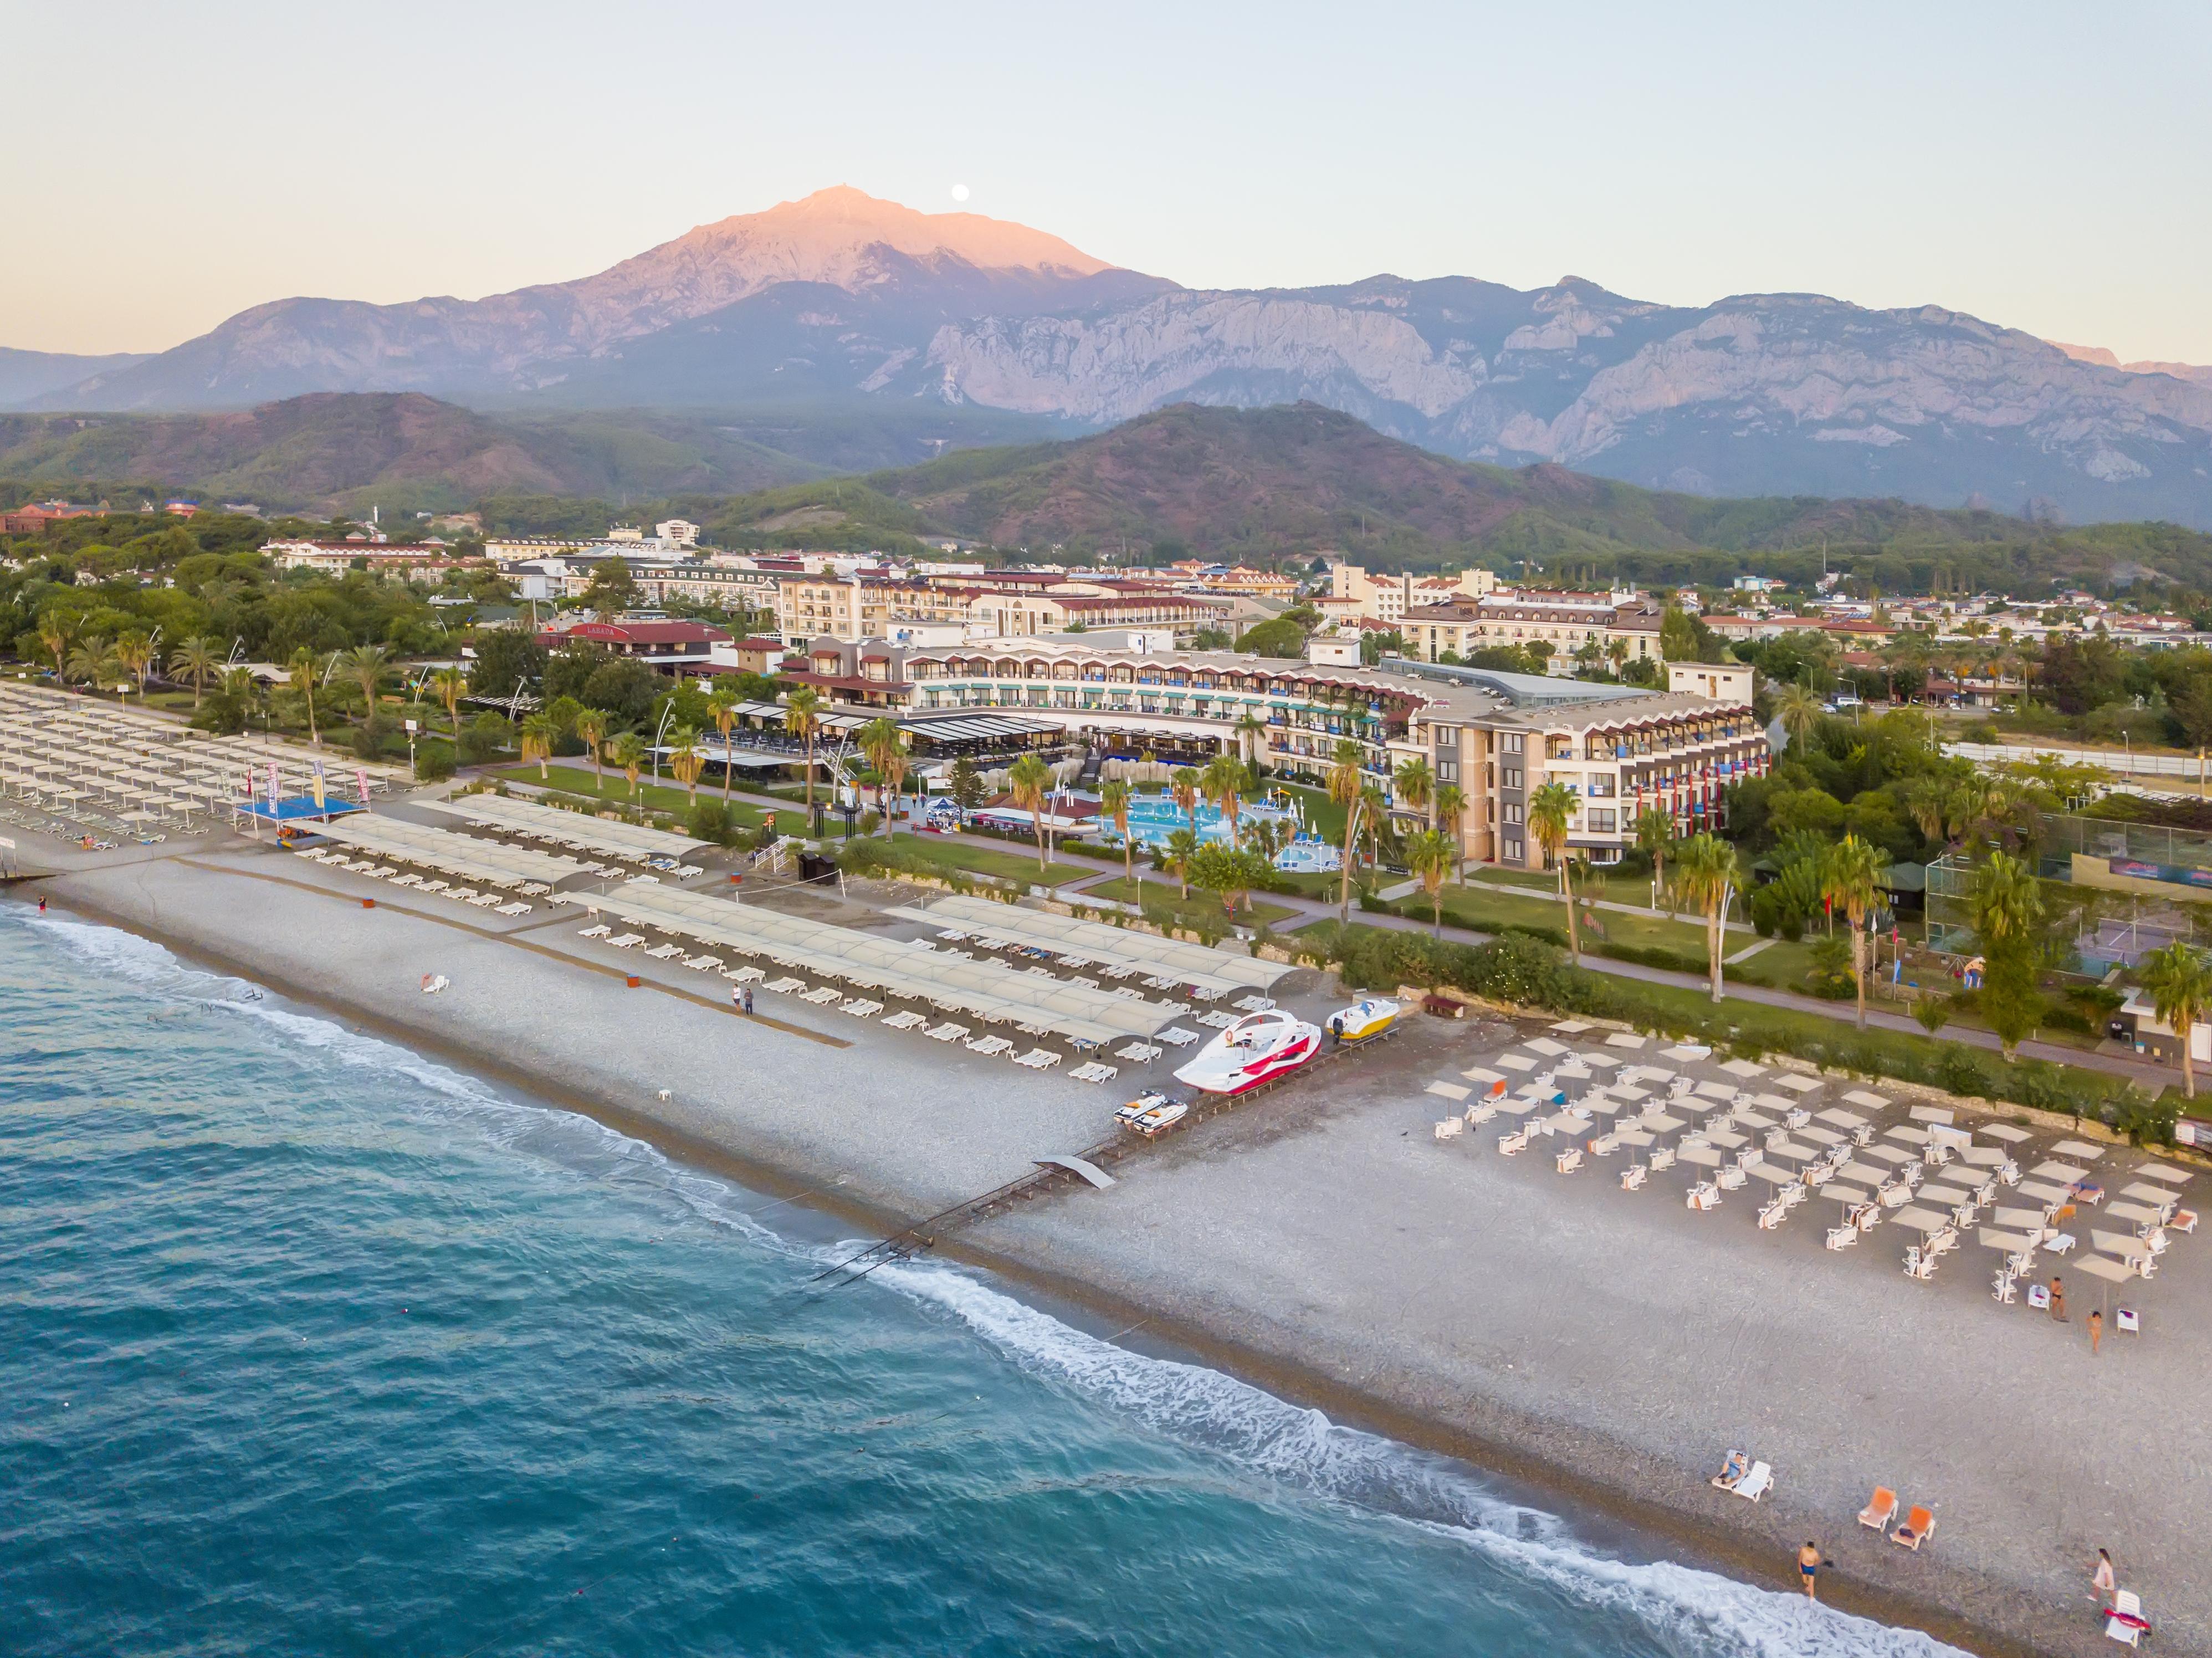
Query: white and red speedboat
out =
(1258, 1047)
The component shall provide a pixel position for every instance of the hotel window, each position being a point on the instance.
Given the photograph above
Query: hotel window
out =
(1513, 852)
(1512, 811)
(1510, 777)
(1600, 820)
(1600, 786)
(1510, 744)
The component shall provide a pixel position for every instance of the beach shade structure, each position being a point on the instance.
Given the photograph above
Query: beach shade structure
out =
(2122, 1246)
(1907, 1134)
(1743, 1068)
(1772, 1174)
(2159, 1171)
(2013, 1244)
(2005, 1132)
(2140, 1214)
(1985, 1157)
(1861, 1097)
(2052, 1170)
(484, 862)
(1545, 1046)
(1705, 1157)
(1933, 1115)
(1198, 967)
(603, 836)
(1927, 1222)
(1866, 1174)
(2079, 1150)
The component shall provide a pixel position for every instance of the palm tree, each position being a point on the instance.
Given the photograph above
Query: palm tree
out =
(1251, 736)
(1222, 783)
(2005, 908)
(1655, 838)
(1799, 708)
(880, 740)
(538, 732)
(802, 717)
(56, 633)
(1113, 800)
(366, 665)
(1374, 822)
(1429, 856)
(1451, 813)
(1347, 778)
(1705, 871)
(136, 653)
(1851, 877)
(93, 661)
(687, 760)
(592, 732)
(305, 668)
(1549, 809)
(449, 685)
(1027, 782)
(194, 661)
(1181, 847)
(629, 754)
(1183, 787)
(2180, 986)
(1416, 786)
(1617, 652)
(723, 701)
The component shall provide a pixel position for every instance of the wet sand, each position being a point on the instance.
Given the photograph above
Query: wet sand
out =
(1609, 1346)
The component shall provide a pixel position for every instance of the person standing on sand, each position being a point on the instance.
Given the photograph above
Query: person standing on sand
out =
(2102, 1581)
(2057, 1300)
(1809, 1569)
(2096, 1332)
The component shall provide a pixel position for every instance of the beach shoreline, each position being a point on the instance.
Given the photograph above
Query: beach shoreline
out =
(1571, 1482)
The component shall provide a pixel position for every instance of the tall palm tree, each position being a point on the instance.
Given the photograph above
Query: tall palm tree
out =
(687, 760)
(1429, 856)
(1251, 736)
(58, 633)
(449, 686)
(1655, 838)
(1451, 814)
(592, 732)
(1113, 800)
(2180, 986)
(93, 660)
(1851, 877)
(1181, 847)
(306, 667)
(134, 651)
(1799, 708)
(1027, 782)
(1374, 822)
(1549, 809)
(194, 661)
(878, 740)
(802, 717)
(1346, 778)
(538, 733)
(2005, 908)
(723, 701)
(1705, 871)
(629, 754)
(1416, 785)
(367, 666)
(1184, 788)
(1222, 783)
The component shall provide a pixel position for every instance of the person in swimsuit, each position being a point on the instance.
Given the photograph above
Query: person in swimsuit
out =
(2103, 1581)
(1809, 1569)
(2057, 1300)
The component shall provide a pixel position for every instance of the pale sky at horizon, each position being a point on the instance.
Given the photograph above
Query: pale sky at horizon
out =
(2044, 167)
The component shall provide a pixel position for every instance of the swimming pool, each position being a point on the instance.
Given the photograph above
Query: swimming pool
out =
(1153, 817)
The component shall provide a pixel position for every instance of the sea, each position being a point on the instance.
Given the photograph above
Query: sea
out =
(311, 1344)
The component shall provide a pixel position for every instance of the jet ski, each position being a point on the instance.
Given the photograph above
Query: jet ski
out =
(1257, 1049)
(1369, 1016)
(1151, 1114)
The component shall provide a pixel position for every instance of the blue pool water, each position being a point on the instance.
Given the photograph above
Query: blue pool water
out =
(309, 1344)
(1153, 817)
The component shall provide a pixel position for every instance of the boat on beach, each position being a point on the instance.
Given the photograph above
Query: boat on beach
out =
(1151, 1114)
(1258, 1047)
(1366, 1018)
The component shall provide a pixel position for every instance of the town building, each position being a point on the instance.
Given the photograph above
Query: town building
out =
(666, 644)
(1354, 592)
(30, 520)
(1567, 621)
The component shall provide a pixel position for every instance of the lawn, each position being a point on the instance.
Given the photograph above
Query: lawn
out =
(1156, 897)
(1486, 910)
(614, 789)
(982, 860)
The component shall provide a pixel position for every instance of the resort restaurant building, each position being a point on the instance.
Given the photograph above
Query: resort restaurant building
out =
(1498, 736)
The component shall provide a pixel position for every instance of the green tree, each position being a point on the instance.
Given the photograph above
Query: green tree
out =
(1549, 809)
(1416, 788)
(1655, 839)
(2180, 988)
(1184, 788)
(1854, 881)
(1706, 871)
(884, 745)
(1181, 845)
(1222, 783)
(367, 666)
(539, 732)
(449, 686)
(509, 661)
(629, 754)
(1451, 815)
(2005, 905)
(802, 717)
(1027, 783)
(1799, 708)
(1348, 779)
(1229, 871)
(724, 699)
(1429, 856)
(1114, 798)
(1281, 637)
(687, 760)
(611, 590)
(591, 725)
(195, 661)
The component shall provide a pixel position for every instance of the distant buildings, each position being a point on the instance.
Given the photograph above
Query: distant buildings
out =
(1564, 622)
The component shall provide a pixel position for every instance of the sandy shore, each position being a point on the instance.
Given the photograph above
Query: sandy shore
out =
(1558, 1331)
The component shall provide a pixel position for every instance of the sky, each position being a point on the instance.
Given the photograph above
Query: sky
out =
(2041, 166)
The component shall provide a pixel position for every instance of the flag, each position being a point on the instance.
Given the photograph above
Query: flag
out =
(315, 783)
(275, 788)
(361, 781)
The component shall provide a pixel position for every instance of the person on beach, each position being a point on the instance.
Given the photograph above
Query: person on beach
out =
(2103, 1581)
(2057, 1300)
(2096, 1332)
(749, 1001)
(1809, 1569)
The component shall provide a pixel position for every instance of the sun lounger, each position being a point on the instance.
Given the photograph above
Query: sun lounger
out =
(988, 1047)
(1662, 1159)
(2124, 1620)
(946, 1032)
(1920, 1263)
(1919, 1525)
(860, 1008)
(1512, 1145)
(1879, 1510)
(518, 907)
(1094, 1073)
(1138, 1052)
(822, 995)
(1450, 1129)
(1633, 1176)
(1754, 1484)
(1479, 1114)
(1569, 1160)
(1703, 1197)
(1842, 1238)
(1773, 1214)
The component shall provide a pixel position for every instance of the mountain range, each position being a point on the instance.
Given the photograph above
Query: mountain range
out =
(843, 306)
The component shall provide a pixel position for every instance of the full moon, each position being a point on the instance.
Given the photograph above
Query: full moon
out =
(959, 193)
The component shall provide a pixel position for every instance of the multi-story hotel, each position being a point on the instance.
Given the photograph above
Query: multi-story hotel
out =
(1498, 736)
(1567, 621)
(1004, 606)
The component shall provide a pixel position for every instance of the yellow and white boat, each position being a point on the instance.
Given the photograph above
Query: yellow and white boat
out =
(1363, 1021)
(1153, 1113)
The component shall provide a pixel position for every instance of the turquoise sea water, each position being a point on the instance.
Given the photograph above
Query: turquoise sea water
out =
(309, 1344)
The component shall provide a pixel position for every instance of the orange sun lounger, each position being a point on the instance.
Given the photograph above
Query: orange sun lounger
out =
(1918, 1523)
(1879, 1512)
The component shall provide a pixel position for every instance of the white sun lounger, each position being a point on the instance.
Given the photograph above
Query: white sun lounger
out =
(946, 1032)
